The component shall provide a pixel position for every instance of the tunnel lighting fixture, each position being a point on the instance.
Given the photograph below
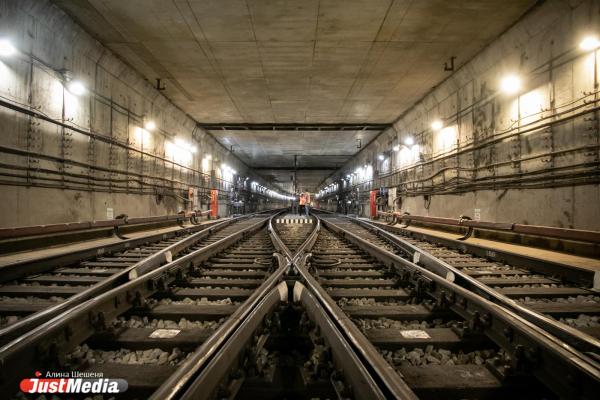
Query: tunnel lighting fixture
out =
(381, 157)
(6, 48)
(150, 125)
(510, 84)
(589, 43)
(76, 88)
(396, 148)
(188, 149)
(409, 141)
(231, 170)
(226, 167)
(437, 125)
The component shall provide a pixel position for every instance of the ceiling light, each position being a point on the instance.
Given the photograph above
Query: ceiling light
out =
(150, 126)
(381, 157)
(510, 84)
(76, 88)
(6, 48)
(409, 141)
(589, 43)
(396, 148)
(437, 125)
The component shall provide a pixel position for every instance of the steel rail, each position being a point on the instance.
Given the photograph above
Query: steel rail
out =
(564, 271)
(385, 375)
(538, 230)
(17, 269)
(388, 379)
(575, 338)
(22, 267)
(50, 341)
(563, 369)
(237, 331)
(345, 360)
(186, 375)
(146, 265)
(293, 257)
(206, 384)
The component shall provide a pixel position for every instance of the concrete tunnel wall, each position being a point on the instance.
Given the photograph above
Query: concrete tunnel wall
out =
(549, 128)
(38, 189)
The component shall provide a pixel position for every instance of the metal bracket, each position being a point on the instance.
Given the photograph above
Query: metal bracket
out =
(407, 223)
(118, 233)
(469, 232)
(449, 67)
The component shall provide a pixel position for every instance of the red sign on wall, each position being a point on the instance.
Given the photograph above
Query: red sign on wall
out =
(214, 202)
(373, 203)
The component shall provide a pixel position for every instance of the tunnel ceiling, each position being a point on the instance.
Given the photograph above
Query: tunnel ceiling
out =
(315, 153)
(310, 61)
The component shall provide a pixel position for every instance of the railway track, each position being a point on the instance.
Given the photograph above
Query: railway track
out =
(287, 347)
(312, 310)
(33, 291)
(442, 340)
(191, 316)
(559, 298)
(293, 234)
(143, 330)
